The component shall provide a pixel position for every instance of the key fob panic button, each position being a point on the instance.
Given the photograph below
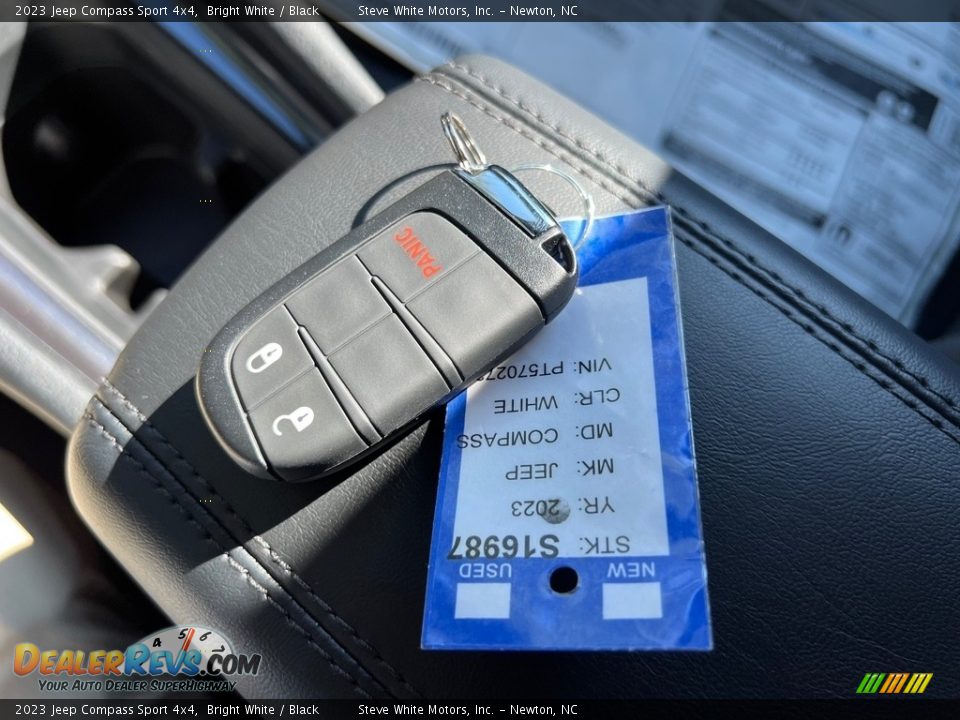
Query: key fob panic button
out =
(416, 252)
(302, 429)
(269, 355)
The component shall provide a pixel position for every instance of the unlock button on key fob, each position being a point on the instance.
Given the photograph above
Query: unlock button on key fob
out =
(303, 430)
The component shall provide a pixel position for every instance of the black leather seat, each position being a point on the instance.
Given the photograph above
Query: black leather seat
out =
(828, 445)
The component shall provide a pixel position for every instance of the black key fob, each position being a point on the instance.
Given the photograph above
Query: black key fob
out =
(390, 321)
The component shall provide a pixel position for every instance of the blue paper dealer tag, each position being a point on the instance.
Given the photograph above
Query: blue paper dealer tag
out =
(567, 516)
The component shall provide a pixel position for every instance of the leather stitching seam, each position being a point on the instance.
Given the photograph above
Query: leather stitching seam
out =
(222, 551)
(274, 556)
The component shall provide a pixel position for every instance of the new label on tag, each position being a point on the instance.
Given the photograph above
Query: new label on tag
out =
(567, 516)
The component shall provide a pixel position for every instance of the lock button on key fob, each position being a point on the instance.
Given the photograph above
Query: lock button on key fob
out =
(385, 324)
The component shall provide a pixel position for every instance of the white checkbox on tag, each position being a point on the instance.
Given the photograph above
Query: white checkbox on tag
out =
(482, 601)
(632, 601)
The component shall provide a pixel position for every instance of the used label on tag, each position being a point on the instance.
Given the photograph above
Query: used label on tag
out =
(567, 514)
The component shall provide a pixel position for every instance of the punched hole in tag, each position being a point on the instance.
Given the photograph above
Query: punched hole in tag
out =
(564, 580)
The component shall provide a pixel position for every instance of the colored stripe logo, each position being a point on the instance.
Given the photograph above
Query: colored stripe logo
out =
(894, 683)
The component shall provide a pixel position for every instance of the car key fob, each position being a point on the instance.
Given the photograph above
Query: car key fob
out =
(388, 322)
